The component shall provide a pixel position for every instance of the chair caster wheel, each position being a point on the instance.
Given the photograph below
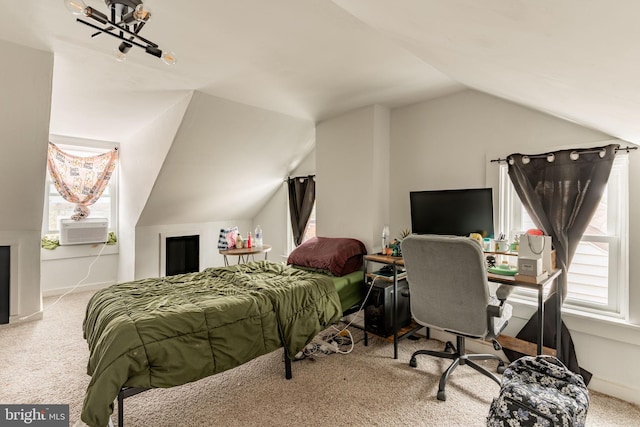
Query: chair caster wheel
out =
(449, 348)
(501, 368)
(441, 395)
(413, 362)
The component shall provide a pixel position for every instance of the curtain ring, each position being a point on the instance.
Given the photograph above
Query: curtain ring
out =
(551, 157)
(525, 160)
(574, 155)
(602, 153)
(510, 160)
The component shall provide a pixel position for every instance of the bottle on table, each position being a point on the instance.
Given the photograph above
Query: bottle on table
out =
(385, 239)
(257, 240)
(249, 242)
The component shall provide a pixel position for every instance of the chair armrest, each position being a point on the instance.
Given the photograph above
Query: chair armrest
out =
(495, 310)
(500, 313)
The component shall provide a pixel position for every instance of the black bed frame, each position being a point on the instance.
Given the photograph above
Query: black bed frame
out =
(132, 391)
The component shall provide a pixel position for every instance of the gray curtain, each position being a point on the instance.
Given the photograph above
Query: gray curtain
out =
(561, 192)
(302, 196)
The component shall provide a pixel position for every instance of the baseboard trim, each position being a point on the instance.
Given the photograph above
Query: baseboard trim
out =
(628, 394)
(82, 288)
(16, 318)
(619, 391)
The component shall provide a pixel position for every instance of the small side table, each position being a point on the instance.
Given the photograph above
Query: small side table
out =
(244, 253)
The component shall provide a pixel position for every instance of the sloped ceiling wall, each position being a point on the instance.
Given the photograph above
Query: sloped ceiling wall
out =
(570, 58)
(226, 161)
(24, 123)
(141, 159)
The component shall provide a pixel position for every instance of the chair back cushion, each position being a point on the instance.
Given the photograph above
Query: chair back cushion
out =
(447, 282)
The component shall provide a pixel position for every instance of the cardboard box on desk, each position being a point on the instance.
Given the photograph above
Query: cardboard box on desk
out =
(529, 266)
(531, 279)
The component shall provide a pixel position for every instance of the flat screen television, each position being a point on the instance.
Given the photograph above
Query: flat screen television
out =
(452, 212)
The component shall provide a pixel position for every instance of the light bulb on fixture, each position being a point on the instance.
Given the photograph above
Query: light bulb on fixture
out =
(120, 56)
(121, 51)
(141, 13)
(77, 7)
(133, 16)
(169, 58)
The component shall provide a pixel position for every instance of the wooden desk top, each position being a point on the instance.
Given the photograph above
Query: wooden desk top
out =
(497, 278)
(384, 259)
(246, 251)
(511, 280)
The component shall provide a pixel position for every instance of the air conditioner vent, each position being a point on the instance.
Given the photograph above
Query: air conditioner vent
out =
(90, 230)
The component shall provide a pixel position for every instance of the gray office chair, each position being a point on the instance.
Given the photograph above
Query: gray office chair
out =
(449, 291)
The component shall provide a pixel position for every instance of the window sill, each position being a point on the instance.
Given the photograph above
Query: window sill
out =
(586, 323)
(77, 251)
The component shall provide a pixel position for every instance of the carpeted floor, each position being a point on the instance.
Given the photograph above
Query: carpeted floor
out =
(44, 362)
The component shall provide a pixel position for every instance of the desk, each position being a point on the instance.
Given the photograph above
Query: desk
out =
(394, 278)
(495, 278)
(511, 281)
(244, 253)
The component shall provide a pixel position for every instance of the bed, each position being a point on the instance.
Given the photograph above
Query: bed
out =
(165, 332)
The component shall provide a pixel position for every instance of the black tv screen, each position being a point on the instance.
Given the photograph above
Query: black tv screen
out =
(452, 212)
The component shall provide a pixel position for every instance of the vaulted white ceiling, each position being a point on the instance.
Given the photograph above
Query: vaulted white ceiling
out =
(316, 58)
(575, 59)
(313, 59)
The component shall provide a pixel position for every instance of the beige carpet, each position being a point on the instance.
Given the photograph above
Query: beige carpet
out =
(44, 362)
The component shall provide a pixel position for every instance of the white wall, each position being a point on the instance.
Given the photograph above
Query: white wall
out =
(226, 161)
(448, 142)
(272, 219)
(141, 159)
(148, 244)
(352, 177)
(274, 216)
(24, 120)
(78, 266)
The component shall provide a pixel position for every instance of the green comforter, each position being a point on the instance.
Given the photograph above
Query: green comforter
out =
(164, 332)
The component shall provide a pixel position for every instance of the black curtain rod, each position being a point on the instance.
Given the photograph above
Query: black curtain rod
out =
(587, 150)
(115, 148)
(295, 177)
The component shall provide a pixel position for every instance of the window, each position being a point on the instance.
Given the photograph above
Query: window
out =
(56, 208)
(310, 230)
(598, 275)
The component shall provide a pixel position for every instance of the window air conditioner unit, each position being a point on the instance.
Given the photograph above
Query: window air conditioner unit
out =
(90, 230)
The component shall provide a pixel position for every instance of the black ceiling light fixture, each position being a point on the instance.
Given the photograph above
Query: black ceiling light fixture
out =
(127, 19)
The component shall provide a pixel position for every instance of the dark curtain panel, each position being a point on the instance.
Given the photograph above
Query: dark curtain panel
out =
(561, 192)
(302, 195)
